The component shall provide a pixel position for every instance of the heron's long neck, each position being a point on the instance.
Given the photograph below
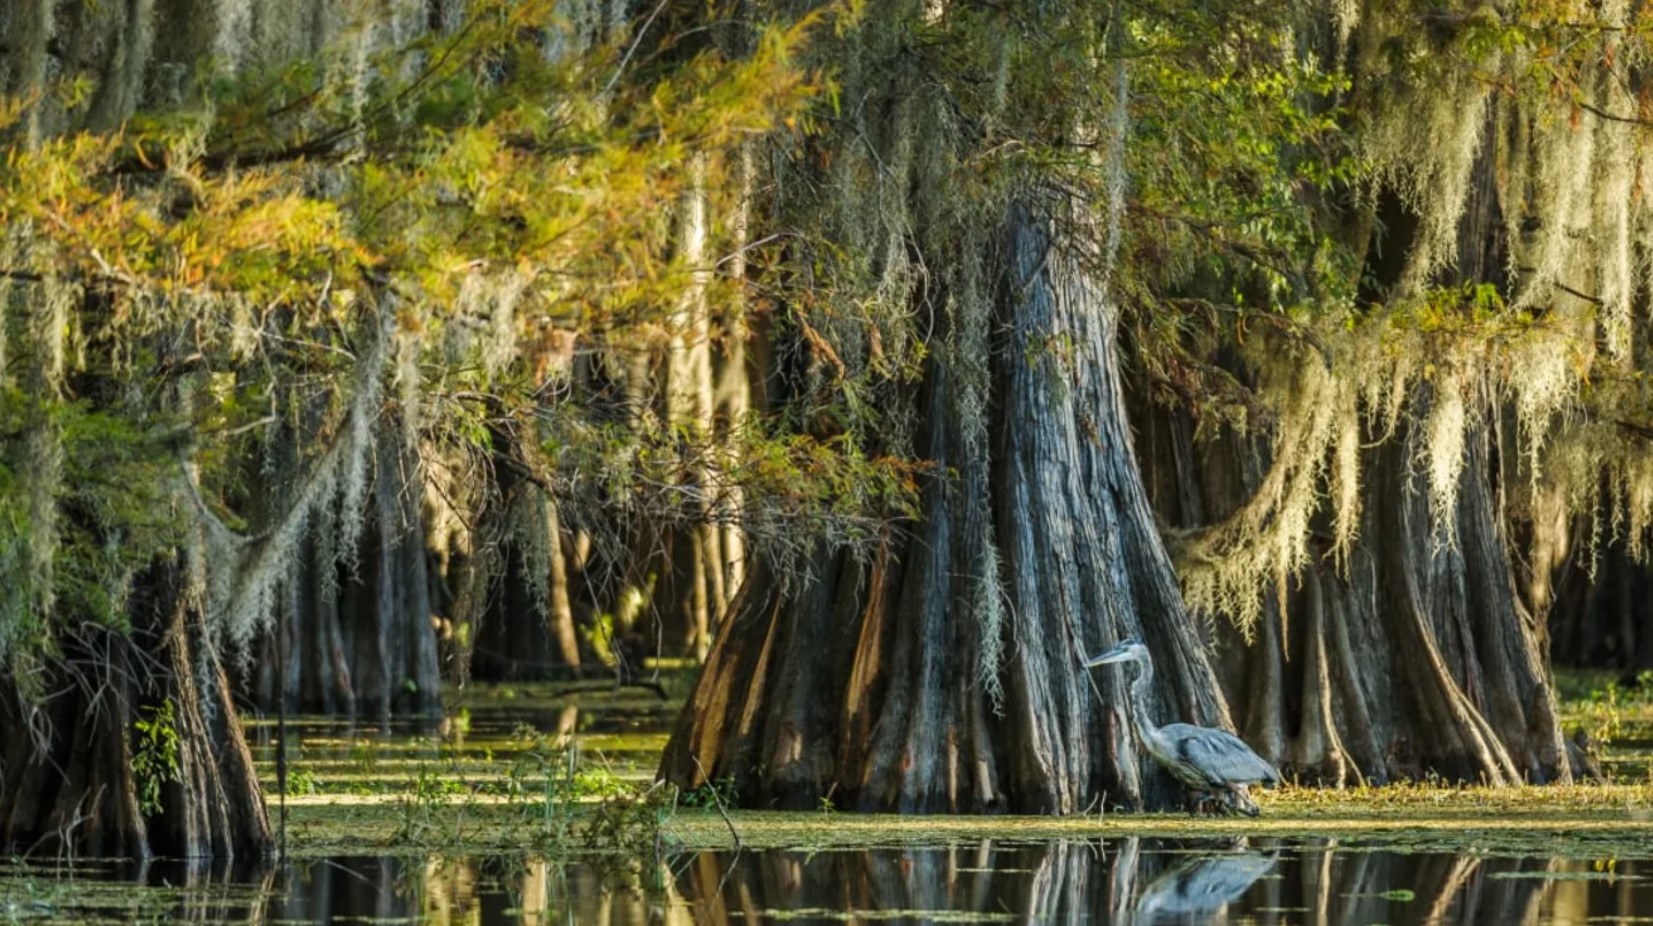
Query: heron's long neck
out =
(1142, 689)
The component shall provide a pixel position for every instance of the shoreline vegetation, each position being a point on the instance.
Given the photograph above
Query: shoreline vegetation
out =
(1563, 822)
(473, 786)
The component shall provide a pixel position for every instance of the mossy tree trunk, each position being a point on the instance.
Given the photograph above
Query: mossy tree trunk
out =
(77, 774)
(865, 685)
(1415, 655)
(1466, 693)
(354, 631)
(939, 668)
(1419, 659)
(1083, 560)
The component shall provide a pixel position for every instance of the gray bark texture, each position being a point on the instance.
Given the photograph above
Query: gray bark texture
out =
(1419, 658)
(864, 685)
(1417, 661)
(354, 633)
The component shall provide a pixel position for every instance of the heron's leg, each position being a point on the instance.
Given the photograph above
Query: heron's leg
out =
(1208, 803)
(1231, 800)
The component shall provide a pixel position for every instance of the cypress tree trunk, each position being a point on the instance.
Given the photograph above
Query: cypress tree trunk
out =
(1081, 549)
(1418, 658)
(695, 554)
(357, 634)
(1449, 661)
(941, 672)
(562, 625)
(866, 685)
(705, 389)
(1449, 670)
(78, 776)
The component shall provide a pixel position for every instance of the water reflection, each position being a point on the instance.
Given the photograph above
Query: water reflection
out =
(1132, 880)
(120, 891)
(1201, 884)
(1147, 881)
(441, 891)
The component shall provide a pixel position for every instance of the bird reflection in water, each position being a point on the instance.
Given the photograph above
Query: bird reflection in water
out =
(1200, 885)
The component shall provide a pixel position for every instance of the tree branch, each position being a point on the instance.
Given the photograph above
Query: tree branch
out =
(1613, 117)
(1573, 292)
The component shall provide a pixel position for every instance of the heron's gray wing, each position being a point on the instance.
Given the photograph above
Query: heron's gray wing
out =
(1200, 885)
(1222, 756)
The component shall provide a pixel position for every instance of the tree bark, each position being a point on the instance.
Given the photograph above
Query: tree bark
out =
(864, 686)
(358, 631)
(1418, 658)
(67, 776)
(1083, 557)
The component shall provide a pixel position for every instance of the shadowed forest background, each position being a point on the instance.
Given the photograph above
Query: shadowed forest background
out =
(877, 358)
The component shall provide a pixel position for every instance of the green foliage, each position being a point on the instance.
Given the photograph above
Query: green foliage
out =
(628, 823)
(1607, 711)
(302, 780)
(711, 795)
(111, 496)
(235, 273)
(1229, 140)
(1240, 149)
(155, 755)
(421, 808)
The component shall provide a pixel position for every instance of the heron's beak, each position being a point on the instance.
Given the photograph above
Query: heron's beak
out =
(1118, 653)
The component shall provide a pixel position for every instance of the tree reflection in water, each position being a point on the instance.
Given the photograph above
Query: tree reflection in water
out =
(1131, 880)
(1155, 881)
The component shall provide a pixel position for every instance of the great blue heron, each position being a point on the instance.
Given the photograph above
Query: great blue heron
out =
(1201, 884)
(1206, 761)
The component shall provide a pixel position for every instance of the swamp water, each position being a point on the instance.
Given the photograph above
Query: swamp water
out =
(1126, 880)
(423, 823)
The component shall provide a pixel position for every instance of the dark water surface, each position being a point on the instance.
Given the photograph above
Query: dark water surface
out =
(1127, 880)
(1434, 876)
